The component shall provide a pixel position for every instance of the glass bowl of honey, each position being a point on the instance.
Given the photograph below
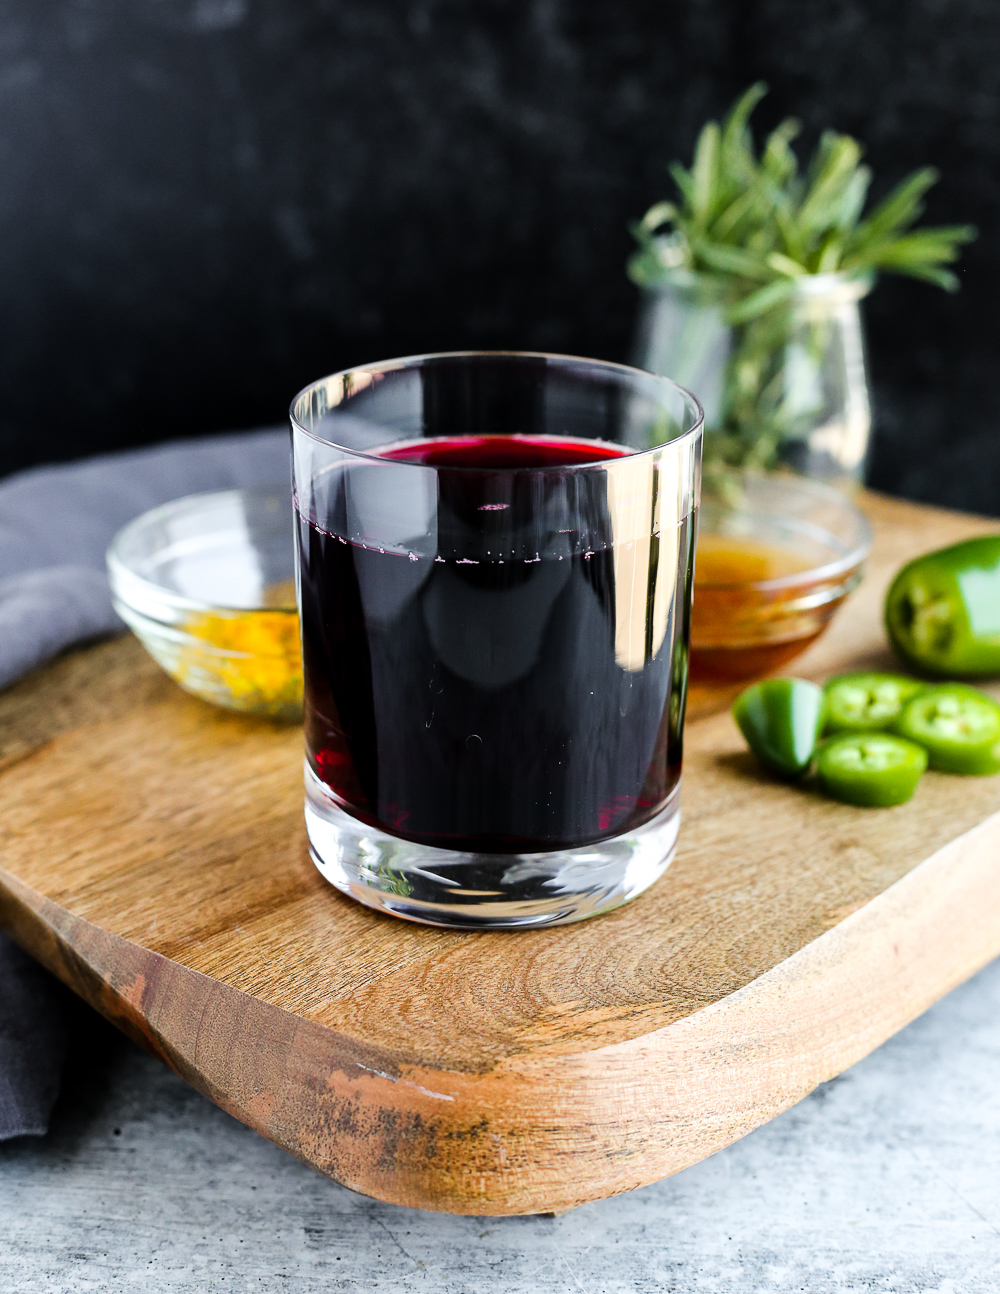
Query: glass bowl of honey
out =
(775, 559)
(207, 585)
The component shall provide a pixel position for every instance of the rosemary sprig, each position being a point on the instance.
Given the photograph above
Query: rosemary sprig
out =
(745, 229)
(755, 223)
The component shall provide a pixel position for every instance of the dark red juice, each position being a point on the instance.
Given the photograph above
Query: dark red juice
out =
(478, 687)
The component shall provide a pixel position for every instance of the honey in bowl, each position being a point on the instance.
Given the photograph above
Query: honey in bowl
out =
(757, 605)
(776, 556)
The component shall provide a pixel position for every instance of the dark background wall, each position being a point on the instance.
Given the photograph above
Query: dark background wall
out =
(204, 204)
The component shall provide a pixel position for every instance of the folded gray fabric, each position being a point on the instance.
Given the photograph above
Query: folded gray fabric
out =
(43, 611)
(33, 1028)
(56, 520)
(55, 525)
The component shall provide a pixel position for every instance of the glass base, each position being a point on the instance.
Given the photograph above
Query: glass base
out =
(445, 887)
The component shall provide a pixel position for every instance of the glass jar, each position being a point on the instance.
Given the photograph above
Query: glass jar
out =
(785, 389)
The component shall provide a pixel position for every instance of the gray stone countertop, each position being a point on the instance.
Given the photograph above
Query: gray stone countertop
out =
(886, 1179)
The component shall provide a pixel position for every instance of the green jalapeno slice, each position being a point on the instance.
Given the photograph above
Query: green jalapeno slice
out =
(781, 719)
(942, 611)
(958, 726)
(874, 769)
(867, 702)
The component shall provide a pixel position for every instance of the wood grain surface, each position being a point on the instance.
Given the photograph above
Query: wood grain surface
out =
(152, 854)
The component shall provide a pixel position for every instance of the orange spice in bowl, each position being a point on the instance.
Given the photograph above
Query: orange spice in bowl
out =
(206, 584)
(247, 660)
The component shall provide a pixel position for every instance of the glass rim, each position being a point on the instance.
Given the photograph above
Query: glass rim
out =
(610, 367)
(124, 575)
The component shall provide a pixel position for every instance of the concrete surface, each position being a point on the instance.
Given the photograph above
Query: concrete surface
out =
(886, 1179)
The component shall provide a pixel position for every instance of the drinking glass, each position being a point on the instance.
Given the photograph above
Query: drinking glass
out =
(494, 581)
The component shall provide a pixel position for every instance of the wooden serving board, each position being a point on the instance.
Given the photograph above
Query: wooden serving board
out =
(152, 854)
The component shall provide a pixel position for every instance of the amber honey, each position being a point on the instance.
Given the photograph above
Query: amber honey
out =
(757, 605)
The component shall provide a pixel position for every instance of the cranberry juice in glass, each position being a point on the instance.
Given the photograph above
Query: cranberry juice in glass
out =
(495, 561)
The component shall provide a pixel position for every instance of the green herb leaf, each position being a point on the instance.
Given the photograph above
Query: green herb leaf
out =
(784, 265)
(778, 160)
(703, 172)
(656, 216)
(732, 260)
(761, 300)
(748, 227)
(837, 163)
(684, 182)
(900, 208)
(737, 147)
(855, 192)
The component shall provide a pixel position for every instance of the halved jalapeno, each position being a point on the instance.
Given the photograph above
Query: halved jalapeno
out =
(942, 611)
(781, 719)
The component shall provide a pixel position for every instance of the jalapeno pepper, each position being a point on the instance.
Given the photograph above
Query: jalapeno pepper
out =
(867, 702)
(958, 726)
(874, 769)
(781, 719)
(942, 611)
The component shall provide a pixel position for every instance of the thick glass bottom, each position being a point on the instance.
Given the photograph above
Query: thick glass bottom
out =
(445, 887)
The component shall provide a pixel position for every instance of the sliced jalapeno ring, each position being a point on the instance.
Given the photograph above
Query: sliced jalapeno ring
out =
(867, 702)
(874, 769)
(958, 726)
(781, 719)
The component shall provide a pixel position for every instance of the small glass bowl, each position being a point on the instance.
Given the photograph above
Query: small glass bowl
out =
(207, 585)
(773, 564)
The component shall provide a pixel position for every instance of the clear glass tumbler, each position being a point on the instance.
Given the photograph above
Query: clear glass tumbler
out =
(494, 582)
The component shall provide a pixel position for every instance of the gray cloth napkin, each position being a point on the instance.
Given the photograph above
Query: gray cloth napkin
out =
(55, 524)
(34, 1023)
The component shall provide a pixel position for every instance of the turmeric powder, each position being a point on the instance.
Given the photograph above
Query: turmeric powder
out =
(252, 660)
